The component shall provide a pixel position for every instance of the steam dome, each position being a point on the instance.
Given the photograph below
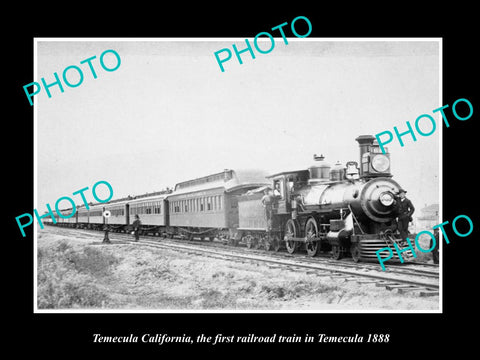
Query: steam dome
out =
(320, 169)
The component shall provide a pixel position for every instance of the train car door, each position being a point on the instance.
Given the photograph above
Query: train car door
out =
(166, 212)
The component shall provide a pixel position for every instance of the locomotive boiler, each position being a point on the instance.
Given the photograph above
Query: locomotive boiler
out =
(343, 209)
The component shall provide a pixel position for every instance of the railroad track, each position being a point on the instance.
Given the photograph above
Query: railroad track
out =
(417, 268)
(420, 281)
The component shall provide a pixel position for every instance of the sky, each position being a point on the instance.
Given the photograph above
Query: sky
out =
(168, 114)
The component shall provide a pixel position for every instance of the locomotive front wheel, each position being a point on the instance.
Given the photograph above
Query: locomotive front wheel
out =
(290, 232)
(336, 253)
(311, 231)
(355, 252)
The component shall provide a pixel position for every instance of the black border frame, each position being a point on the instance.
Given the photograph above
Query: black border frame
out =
(413, 334)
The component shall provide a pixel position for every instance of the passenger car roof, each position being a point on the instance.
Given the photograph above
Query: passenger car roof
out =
(228, 179)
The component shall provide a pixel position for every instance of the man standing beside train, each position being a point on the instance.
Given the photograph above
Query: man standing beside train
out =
(136, 227)
(405, 211)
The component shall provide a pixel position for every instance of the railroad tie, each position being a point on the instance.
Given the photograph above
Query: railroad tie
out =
(428, 292)
(419, 291)
(337, 276)
(373, 281)
(400, 286)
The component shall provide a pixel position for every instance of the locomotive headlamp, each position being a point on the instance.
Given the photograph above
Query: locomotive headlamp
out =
(381, 163)
(386, 198)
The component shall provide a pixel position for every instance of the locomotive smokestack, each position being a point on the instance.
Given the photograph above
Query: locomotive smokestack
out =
(364, 141)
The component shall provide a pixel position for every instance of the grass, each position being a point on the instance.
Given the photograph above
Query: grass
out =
(68, 279)
(74, 275)
(287, 291)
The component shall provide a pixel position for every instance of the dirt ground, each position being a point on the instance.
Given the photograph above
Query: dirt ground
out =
(81, 273)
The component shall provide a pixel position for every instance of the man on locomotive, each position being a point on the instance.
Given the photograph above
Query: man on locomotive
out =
(267, 203)
(405, 211)
(277, 191)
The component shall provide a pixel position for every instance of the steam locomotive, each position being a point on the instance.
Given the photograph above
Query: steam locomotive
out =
(345, 210)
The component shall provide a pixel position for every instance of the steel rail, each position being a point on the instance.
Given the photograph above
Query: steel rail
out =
(294, 262)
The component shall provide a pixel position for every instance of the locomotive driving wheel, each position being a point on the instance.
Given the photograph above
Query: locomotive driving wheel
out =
(311, 231)
(290, 232)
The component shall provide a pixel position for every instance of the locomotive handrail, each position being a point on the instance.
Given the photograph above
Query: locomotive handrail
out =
(355, 219)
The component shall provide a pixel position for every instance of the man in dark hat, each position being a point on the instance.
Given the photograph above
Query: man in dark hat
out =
(405, 211)
(136, 227)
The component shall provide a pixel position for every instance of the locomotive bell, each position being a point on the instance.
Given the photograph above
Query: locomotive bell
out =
(351, 171)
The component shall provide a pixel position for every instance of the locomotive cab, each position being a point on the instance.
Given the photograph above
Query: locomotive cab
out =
(286, 183)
